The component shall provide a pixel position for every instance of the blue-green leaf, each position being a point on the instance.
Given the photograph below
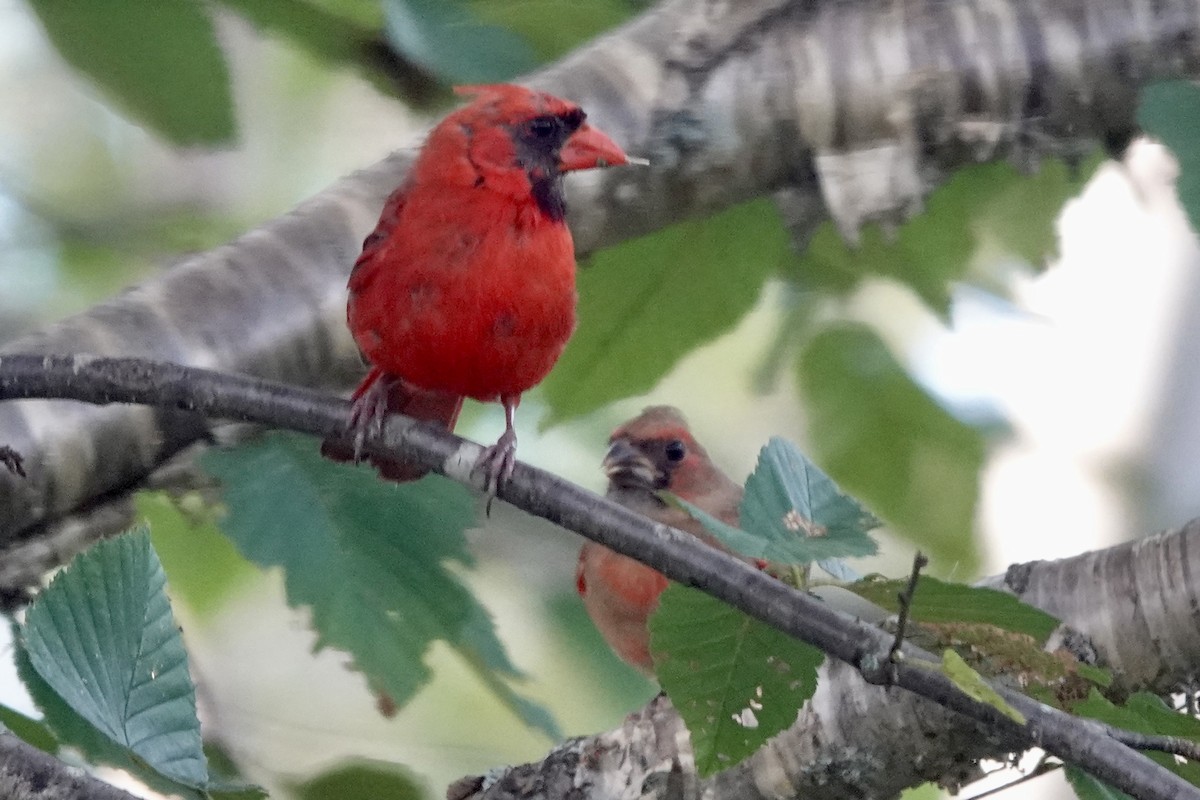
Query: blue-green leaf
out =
(102, 636)
(448, 39)
(1170, 111)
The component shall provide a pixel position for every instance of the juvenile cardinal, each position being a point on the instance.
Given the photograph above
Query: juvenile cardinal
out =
(649, 453)
(466, 287)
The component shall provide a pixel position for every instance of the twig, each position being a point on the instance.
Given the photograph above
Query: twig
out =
(12, 459)
(1175, 745)
(678, 555)
(905, 599)
(1043, 767)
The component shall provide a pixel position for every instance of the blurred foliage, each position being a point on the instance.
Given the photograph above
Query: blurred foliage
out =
(362, 780)
(447, 39)
(202, 564)
(370, 559)
(645, 304)
(160, 61)
(981, 204)
(886, 441)
(1170, 111)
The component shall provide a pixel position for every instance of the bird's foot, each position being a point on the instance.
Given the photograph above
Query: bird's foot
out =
(497, 463)
(368, 411)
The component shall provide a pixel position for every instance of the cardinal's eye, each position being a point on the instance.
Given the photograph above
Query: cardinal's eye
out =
(675, 450)
(542, 127)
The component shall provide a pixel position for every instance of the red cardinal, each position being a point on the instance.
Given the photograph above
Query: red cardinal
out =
(651, 452)
(466, 287)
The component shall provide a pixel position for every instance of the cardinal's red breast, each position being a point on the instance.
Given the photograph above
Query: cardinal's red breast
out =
(466, 286)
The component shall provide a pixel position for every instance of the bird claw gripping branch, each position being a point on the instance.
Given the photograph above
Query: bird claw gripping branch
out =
(466, 287)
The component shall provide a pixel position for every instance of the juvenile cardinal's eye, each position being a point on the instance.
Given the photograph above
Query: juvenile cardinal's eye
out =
(675, 450)
(542, 127)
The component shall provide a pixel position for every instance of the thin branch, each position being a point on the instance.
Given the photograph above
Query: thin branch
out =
(676, 554)
(1043, 767)
(905, 599)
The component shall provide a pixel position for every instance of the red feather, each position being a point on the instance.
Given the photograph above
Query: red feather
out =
(466, 287)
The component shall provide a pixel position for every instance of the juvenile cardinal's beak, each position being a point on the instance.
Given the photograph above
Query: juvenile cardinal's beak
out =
(625, 465)
(587, 148)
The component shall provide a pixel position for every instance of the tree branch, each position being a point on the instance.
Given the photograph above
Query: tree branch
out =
(677, 555)
(27, 773)
(847, 110)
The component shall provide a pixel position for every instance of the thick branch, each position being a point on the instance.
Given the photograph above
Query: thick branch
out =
(676, 554)
(855, 110)
(27, 773)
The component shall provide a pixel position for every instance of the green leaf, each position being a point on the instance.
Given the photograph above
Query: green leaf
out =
(1088, 788)
(792, 513)
(361, 780)
(1146, 713)
(1170, 111)
(646, 303)
(368, 557)
(887, 442)
(203, 565)
(795, 507)
(974, 686)
(103, 638)
(159, 60)
(28, 730)
(73, 730)
(982, 206)
(448, 39)
(938, 602)
(735, 681)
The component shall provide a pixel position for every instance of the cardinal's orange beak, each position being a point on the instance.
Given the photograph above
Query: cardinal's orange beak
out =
(588, 148)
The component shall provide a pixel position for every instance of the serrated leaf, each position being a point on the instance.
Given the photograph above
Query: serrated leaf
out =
(1089, 788)
(448, 39)
(1170, 111)
(646, 303)
(28, 730)
(103, 638)
(939, 602)
(367, 556)
(73, 730)
(973, 685)
(735, 681)
(887, 442)
(799, 512)
(1146, 713)
(361, 780)
(160, 61)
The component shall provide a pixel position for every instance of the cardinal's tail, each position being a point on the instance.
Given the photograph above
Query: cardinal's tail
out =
(380, 394)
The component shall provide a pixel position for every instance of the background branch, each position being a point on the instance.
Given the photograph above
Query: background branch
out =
(678, 555)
